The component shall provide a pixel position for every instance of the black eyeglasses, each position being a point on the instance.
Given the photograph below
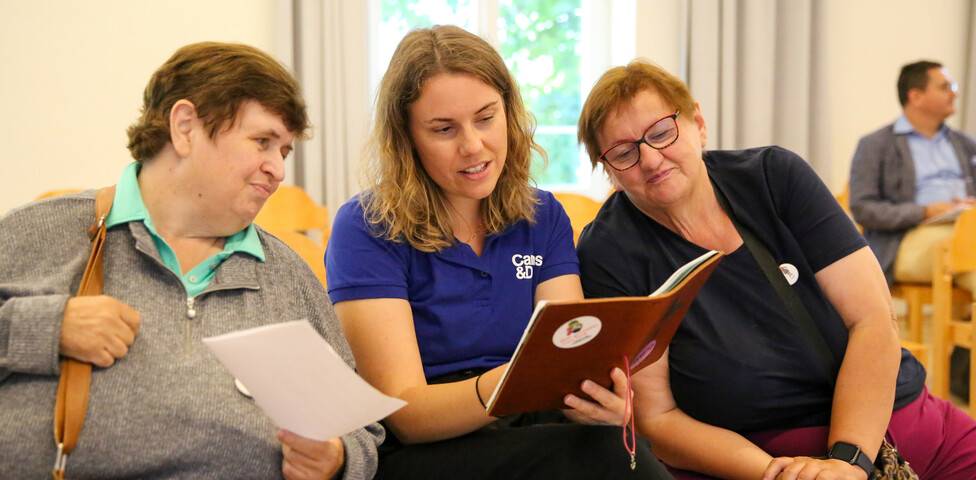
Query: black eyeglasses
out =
(659, 135)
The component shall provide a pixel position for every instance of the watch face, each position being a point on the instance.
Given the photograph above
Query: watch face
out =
(844, 451)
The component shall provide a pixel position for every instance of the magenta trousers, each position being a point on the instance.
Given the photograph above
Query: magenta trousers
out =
(937, 439)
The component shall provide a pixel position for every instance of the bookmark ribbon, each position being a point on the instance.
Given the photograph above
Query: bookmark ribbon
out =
(630, 442)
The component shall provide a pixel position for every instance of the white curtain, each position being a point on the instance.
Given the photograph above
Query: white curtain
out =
(967, 85)
(748, 64)
(331, 50)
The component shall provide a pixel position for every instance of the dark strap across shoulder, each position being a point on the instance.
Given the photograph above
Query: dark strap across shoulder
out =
(828, 363)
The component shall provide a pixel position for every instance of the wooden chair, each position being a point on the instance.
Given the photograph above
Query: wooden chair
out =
(956, 255)
(290, 208)
(291, 215)
(54, 193)
(580, 208)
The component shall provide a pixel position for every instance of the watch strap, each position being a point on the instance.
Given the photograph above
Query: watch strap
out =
(859, 458)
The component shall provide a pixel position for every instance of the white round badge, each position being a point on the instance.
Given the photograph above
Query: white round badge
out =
(577, 331)
(790, 272)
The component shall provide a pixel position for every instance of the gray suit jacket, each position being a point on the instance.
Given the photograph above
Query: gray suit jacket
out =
(883, 189)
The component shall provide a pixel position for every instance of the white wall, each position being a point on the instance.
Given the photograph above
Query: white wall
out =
(862, 46)
(72, 75)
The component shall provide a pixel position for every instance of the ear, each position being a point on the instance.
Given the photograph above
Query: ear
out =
(700, 121)
(182, 117)
(913, 94)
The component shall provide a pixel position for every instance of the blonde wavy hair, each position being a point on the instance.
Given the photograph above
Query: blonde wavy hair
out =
(402, 201)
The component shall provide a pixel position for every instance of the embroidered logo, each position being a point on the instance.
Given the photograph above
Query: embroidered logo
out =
(524, 265)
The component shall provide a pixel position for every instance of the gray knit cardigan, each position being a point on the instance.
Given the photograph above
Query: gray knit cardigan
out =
(168, 409)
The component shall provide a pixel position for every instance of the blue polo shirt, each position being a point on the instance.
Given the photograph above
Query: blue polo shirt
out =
(127, 206)
(468, 311)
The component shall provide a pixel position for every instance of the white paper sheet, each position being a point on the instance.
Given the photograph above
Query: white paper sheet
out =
(299, 380)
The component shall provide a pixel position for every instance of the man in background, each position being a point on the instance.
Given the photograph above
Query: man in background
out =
(910, 171)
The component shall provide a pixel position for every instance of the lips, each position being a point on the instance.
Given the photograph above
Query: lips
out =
(660, 177)
(476, 169)
(267, 190)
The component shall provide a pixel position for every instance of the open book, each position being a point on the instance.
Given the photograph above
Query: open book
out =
(569, 341)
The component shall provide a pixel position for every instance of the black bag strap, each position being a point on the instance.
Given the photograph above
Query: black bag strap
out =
(775, 276)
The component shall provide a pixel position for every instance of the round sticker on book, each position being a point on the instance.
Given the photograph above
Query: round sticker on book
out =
(577, 331)
(790, 272)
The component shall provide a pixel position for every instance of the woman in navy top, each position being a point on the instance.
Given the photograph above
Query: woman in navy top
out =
(435, 269)
(742, 393)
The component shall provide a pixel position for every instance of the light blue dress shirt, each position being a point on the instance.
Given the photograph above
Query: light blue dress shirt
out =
(938, 177)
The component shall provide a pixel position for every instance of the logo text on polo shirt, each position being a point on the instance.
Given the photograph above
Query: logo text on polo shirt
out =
(524, 265)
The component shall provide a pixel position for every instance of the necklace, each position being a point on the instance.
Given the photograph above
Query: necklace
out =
(475, 233)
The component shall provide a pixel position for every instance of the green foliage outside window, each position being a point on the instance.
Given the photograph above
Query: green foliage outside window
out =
(539, 40)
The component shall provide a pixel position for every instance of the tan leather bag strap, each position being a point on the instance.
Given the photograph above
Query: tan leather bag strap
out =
(72, 401)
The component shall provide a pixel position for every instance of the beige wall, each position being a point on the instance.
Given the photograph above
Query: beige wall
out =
(72, 73)
(863, 44)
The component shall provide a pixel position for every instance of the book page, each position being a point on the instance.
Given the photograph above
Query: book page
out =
(682, 272)
(296, 377)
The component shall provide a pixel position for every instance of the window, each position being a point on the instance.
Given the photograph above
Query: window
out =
(554, 48)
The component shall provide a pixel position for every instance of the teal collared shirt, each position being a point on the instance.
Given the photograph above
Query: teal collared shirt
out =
(129, 207)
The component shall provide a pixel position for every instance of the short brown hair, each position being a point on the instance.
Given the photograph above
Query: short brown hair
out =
(914, 75)
(404, 201)
(621, 84)
(217, 78)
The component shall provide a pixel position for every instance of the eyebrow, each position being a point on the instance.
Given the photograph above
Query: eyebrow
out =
(269, 132)
(482, 109)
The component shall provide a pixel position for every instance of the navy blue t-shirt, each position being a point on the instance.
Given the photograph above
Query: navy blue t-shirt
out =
(468, 311)
(739, 361)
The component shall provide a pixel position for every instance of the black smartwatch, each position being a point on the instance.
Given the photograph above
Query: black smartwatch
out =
(853, 455)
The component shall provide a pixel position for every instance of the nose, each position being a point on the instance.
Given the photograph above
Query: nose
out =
(274, 166)
(650, 158)
(471, 141)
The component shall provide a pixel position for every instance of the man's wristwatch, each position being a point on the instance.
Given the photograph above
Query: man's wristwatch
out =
(853, 455)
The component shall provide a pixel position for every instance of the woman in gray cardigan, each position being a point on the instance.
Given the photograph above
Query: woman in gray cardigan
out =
(182, 261)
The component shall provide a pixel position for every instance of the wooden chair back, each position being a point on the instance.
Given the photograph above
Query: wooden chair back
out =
(55, 193)
(291, 208)
(956, 255)
(580, 208)
(293, 216)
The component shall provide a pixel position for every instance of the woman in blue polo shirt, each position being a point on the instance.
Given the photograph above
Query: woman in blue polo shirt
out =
(435, 269)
